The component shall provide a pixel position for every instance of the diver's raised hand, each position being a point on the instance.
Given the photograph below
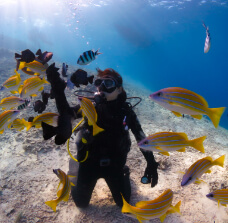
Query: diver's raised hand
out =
(57, 83)
(52, 73)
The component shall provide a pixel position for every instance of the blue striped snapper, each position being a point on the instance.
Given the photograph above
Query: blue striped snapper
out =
(207, 44)
(6, 118)
(165, 142)
(221, 196)
(48, 118)
(89, 111)
(201, 166)
(32, 86)
(12, 83)
(11, 102)
(182, 101)
(64, 192)
(87, 57)
(35, 66)
(157, 208)
(17, 124)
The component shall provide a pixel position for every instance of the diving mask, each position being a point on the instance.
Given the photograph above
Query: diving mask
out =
(108, 83)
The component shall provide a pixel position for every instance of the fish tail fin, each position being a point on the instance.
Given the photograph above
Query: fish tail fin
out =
(28, 125)
(219, 161)
(45, 81)
(204, 25)
(126, 207)
(96, 130)
(20, 89)
(21, 65)
(17, 65)
(2, 88)
(17, 55)
(177, 207)
(174, 209)
(198, 143)
(48, 130)
(90, 79)
(97, 53)
(215, 115)
(38, 52)
(52, 204)
(16, 73)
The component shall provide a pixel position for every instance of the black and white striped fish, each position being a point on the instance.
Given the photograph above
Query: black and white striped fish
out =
(23, 106)
(87, 57)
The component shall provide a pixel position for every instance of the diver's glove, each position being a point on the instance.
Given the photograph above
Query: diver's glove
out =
(53, 76)
(150, 175)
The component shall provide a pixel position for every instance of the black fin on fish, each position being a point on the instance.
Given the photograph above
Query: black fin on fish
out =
(30, 119)
(17, 55)
(48, 130)
(38, 52)
(90, 79)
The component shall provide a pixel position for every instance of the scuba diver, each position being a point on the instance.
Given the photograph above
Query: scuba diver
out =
(107, 151)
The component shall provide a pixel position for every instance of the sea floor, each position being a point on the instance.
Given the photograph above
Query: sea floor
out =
(27, 179)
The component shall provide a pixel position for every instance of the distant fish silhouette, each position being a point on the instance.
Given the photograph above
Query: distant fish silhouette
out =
(64, 70)
(207, 44)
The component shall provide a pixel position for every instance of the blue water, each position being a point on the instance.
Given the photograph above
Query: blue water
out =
(156, 43)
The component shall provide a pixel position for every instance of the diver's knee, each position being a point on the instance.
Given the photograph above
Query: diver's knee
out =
(79, 201)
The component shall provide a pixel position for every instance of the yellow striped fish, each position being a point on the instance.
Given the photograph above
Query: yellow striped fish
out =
(31, 86)
(182, 101)
(12, 84)
(221, 196)
(35, 66)
(64, 192)
(89, 111)
(201, 166)
(157, 208)
(17, 124)
(49, 118)
(6, 118)
(165, 142)
(11, 102)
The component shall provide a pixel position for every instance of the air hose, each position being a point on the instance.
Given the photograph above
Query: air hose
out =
(68, 141)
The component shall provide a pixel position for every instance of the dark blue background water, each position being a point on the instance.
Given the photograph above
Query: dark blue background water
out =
(156, 43)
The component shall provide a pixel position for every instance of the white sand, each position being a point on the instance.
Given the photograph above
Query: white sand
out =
(27, 180)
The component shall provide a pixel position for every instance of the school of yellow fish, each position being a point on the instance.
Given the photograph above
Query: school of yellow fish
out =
(176, 99)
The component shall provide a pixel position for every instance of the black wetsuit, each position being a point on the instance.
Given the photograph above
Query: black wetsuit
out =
(107, 150)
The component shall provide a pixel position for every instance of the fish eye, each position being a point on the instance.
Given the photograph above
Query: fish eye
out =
(159, 94)
(189, 178)
(210, 195)
(146, 142)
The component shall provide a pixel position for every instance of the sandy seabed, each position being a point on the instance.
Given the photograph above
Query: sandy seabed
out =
(27, 179)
